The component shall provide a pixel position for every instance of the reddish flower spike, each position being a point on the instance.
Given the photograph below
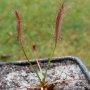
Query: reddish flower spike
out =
(18, 27)
(34, 47)
(58, 20)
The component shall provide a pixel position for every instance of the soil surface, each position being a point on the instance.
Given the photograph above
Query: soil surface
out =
(65, 75)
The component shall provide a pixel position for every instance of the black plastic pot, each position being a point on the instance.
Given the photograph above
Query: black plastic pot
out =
(76, 60)
(54, 60)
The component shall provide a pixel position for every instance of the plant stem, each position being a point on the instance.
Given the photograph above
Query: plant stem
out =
(21, 44)
(58, 19)
(22, 48)
(49, 61)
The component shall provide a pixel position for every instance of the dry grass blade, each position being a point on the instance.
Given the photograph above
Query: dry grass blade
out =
(38, 63)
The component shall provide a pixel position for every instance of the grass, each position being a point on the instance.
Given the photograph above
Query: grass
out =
(38, 25)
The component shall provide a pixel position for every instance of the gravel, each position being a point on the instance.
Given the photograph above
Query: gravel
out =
(66, 76)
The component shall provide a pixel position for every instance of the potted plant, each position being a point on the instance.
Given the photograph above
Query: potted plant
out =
(62, 73)
(43, 84)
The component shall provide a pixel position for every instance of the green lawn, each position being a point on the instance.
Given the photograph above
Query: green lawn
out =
(38, 25)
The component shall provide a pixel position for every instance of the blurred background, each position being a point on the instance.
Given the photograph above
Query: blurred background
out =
(38, 26)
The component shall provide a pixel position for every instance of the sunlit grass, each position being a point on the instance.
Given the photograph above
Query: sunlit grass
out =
(38, 23)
